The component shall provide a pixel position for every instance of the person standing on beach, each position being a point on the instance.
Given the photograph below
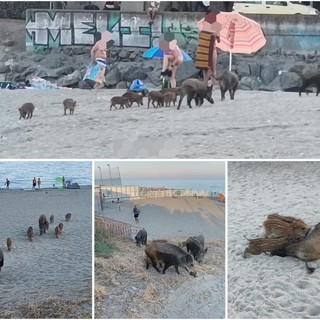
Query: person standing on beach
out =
(7, 183)
(39, 183)
(34, 183)
(63, 182)
(206, 56)
(136, 213)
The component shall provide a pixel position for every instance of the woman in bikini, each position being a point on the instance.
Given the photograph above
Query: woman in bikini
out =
(171, 60)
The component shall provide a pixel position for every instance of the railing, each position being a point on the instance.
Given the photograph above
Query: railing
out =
(117, 228)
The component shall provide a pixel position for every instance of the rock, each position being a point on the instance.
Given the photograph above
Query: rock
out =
(122, 85)
(113, 77)
(248, 83)
(8, 42)
(268, 73)
(186, 70)
(124, 54)
(54, 61)
(70, 80)
(4, 68)
(63, 71)
(86, 84)
(290, 81)
(131, 71)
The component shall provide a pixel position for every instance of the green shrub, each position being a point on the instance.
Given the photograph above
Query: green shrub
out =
(103, 247)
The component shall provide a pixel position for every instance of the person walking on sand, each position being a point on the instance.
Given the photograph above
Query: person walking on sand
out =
(7, 183)
(136, 213)
(39, 183)
(34, 183)
(171, 60)
(63, 182)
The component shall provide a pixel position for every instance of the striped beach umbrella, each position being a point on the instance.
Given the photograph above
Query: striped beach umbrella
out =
(239, 34)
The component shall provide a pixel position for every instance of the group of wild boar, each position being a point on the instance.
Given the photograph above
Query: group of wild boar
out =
(162, 254)
(287, 236)
(27, 109)
(193, 89)
(43, 227)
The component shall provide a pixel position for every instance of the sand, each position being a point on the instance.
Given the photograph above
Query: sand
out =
(262, 286)
(47, 266)
(173, 217)
(255, 125)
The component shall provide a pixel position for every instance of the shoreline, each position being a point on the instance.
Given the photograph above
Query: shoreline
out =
(85, 187)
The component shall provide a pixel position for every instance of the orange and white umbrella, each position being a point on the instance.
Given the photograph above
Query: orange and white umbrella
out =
(239, 34)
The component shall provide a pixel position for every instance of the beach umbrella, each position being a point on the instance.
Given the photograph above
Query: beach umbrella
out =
(157, 53)
(239, 34)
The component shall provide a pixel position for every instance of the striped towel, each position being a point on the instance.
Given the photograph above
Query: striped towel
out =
(205, 49)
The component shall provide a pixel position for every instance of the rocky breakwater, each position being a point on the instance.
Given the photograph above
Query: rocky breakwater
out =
(66, 66)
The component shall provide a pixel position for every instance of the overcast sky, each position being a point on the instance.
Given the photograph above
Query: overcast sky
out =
(133, 170)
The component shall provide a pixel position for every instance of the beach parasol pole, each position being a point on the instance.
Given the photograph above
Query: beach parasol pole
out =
(230, 60)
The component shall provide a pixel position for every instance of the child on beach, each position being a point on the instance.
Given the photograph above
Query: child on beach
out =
(39, 183)
(136, 213)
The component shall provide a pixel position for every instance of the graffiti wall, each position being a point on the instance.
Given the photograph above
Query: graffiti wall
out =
(55, 28)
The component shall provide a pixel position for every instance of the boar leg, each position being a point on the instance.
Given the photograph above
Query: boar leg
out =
(154, 264)
(310, 269)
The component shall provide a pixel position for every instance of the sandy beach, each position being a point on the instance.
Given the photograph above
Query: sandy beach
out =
(173, 217)
(254, 125)
(47, 267)
(261, 286)
(149, 294)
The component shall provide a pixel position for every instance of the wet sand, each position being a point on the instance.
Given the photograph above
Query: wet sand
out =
(47, 266)
(278, 125)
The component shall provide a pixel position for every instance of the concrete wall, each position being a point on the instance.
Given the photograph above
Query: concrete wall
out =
(55, 28)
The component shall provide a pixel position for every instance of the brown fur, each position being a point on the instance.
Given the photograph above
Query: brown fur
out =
(9, 244)
(174, 90)
(305, 249)
(57, 231)
(121, 101)
(277, 225)
(69, 104)
(169, 255)
(26, 110)
(68, 216)
(43, 224)
(134, 97)
(60, 226)
(228, 81)
(30, 233)
(170, 97)
(197, 90)
(155, 96)
(309, 78)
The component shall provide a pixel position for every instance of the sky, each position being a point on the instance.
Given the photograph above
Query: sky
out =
(166, 170)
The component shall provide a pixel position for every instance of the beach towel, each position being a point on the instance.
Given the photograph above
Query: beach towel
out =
(96, 72)
(205, 49)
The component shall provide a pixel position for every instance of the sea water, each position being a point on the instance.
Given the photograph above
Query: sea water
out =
(21, 173)
(214, 186)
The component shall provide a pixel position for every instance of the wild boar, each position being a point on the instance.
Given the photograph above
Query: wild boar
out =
(176, 90)
(9, 244)
(141, 237)
(196, 249)
(169, 255)
(43, 224)
(197, 90)
(1, 259)
(52, 218)
(57, 231)
(134, 97)
(306, 249)
(30, 233)
(155, 96)
(228, 81)
(60, 226)
(170, 97)
(26, 110)
(121, 101)
(69, 104)
(68, 216)
(309, 78)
